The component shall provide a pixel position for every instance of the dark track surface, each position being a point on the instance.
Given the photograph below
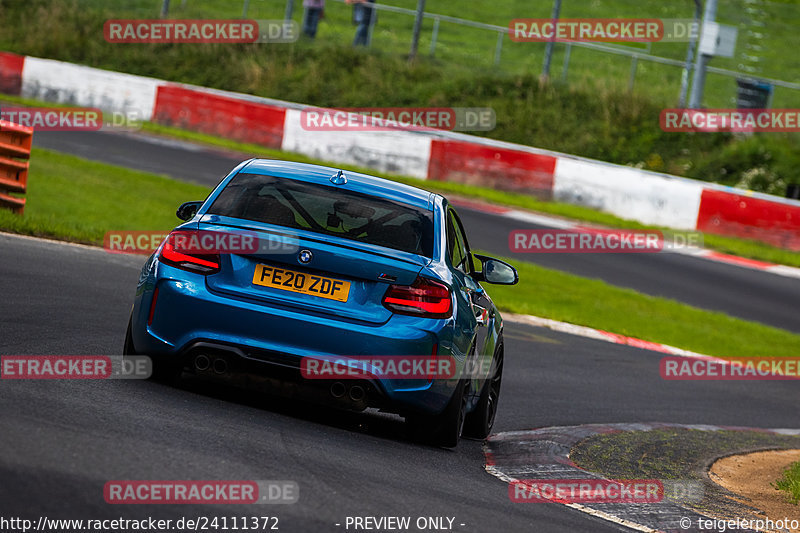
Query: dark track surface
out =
(62, 440)
(740, 292)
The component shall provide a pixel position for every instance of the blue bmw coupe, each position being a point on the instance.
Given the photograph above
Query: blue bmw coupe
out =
(305, 263)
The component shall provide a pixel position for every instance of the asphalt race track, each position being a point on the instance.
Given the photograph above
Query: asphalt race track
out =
(737, 291)
(63, 440)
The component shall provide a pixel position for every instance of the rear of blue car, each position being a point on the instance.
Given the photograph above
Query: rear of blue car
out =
(334, 266)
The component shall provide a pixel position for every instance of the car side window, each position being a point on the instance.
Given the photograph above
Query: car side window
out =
(457, 244)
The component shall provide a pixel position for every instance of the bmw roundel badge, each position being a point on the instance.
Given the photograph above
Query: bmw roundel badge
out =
(305, 256)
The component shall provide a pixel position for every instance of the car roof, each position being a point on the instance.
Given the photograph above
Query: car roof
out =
(356, 181)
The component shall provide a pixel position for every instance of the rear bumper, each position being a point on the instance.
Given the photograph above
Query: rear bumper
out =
(259, 340)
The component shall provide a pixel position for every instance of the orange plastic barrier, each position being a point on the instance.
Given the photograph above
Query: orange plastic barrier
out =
(15, 148)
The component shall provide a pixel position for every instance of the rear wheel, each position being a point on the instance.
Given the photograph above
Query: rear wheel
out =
(163, 371)
(478, 423)
(445, 428)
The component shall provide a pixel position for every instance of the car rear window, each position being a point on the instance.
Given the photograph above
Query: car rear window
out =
(321, 209)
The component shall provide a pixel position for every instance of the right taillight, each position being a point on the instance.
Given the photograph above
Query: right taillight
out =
(424, 298)
(180, 256)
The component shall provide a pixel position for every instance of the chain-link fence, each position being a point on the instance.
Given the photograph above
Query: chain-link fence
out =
(474, 35)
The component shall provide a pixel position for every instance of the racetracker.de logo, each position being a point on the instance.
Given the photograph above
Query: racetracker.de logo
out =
(554, 241)
(674, 368)
(200, 31)
(201, 492)
(70, 119)
(75, 367)
(180, 31)
(586, 491)
(399, 118)
(185, 241)
(425, 367)
(54, 118)
(730, 120)
(586, 30)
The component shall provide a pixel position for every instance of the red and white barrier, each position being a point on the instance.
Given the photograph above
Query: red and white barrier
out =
(627, 192)
(492, 165)
(219, 114)
(739, 213)
(393, 151)
(65, 83)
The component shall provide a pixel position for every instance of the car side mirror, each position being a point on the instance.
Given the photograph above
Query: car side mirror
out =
(496, 271)
(188, 210)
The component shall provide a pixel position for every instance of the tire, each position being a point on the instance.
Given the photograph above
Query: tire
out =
(445, 428)
(479, 422)
(163, 371)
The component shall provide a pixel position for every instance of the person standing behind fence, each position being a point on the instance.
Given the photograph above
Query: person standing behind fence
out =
(363, 16)
(314, 10)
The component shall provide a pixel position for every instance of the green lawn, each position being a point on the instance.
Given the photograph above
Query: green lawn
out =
(77, 200)
(73, 199)
(790, 482)
(594, 303)
(458, 44)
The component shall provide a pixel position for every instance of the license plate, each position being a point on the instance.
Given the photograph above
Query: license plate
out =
(289, 280)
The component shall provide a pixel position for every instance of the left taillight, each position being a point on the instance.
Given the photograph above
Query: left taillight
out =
(424, 298)
(205, 264)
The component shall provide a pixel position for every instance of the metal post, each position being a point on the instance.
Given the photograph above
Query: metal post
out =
(372, 18)
(244, 9)
(548, 52)
(499, 48)
(632, 79)
(567, 53)
(699, 82)
(687, 70)
(417, 28)
(289, 10)
(434, 35)
(165, 9)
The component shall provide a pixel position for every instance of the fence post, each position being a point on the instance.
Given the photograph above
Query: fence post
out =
(632, 79)
(699, 82)
(567, 53)
(548, 51)
(499, 48)
(289, 10)
(417, 28)
(434, 35)
(165, 9)
(687, 69)
(373, 17)
(15, 145)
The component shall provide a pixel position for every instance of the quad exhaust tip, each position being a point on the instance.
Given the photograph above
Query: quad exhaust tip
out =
(357, 393)
(220, 366)
(338, 389)
(202, 363)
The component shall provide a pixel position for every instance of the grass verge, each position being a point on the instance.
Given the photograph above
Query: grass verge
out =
(594, 303)
(790, 482)
(78, 200)
(674, 454)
